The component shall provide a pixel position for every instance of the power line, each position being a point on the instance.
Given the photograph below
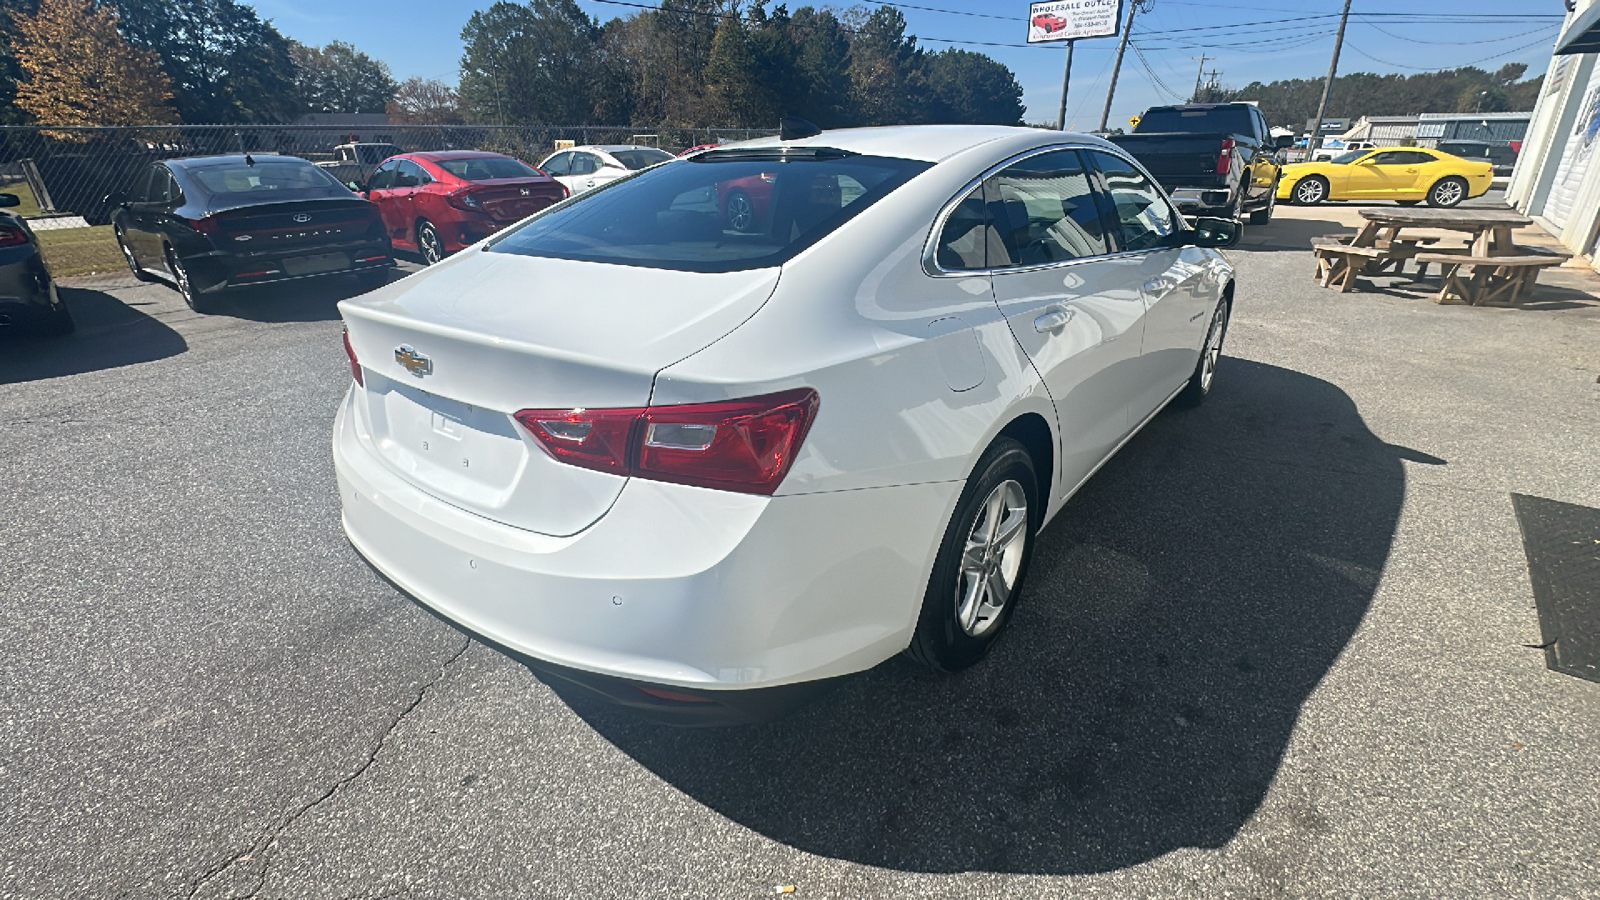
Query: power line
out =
(1540, 42)
(1497, 40)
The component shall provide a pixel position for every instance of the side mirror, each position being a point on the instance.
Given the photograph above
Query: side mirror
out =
(1210, 232)
(117, 198)
(1283, 141)
(10, 200)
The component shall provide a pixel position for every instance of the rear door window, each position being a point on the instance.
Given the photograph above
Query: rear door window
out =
(640, 158)
(1045, 209)
(1140, 213)
(675, 216)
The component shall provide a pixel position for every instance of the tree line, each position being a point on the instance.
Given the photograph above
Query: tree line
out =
(689, 63)
(1292, 102)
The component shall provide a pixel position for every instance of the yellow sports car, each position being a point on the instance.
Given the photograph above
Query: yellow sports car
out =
(1407, 175)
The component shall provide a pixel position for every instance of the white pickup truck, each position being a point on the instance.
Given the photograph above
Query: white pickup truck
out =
(353, 163)
(1326, 153)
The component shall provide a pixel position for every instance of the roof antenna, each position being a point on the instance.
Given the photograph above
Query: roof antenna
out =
(793, 128)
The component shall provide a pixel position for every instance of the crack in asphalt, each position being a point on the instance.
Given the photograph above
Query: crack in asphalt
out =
(264, 848)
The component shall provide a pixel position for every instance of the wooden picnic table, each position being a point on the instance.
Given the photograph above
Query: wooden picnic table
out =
(1498, 269)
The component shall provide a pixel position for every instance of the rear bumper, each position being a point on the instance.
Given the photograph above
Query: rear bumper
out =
(675, 586)
(27, 292)
(215, 270)
(1202, 201)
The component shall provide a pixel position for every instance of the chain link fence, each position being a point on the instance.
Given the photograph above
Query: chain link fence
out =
(68, 171)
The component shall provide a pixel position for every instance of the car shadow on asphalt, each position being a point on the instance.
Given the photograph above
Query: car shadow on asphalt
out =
(1180, 611)
(109, 334)
(1289, 234)
(310, 300)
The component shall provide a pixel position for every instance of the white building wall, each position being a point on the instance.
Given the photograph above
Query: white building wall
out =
(1556, 180)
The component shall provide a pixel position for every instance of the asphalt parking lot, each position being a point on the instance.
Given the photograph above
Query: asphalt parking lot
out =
(1284, 645)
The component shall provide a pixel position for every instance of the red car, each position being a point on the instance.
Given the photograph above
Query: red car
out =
(744, 201)
(437, 203)
(1050, 22)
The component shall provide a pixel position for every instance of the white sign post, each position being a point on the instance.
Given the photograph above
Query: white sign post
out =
(1070, 20)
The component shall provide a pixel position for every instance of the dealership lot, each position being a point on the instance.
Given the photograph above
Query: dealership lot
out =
(1283, 645)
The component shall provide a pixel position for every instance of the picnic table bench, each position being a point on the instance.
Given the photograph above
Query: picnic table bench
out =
(1492, 269)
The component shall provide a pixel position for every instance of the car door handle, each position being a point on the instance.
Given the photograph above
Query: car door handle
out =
(1055, 318)
(1411, 171)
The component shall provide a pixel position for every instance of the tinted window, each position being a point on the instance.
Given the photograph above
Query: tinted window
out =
(1399, 158)
(1225, 119)
(383, 178)
(670, 217)
(163, 189)
(409, 174)
(484, 168)
(268, 179)
(638, 159)
(1045, 209)
(584, 164)
(560, 164)
(1144, 219)
(968, 239)
(1345, 159)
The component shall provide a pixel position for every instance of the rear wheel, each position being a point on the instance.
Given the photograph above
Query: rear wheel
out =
(60, 321)
(1263, 216)
(1447, 193)
(741, 213)
(1311, 190)
(191, 292)
(982, 561)
(429, 243)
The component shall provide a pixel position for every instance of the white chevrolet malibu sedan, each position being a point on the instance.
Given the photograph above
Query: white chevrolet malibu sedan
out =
(697, 467)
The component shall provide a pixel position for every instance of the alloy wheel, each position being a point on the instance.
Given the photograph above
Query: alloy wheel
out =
(1309, 191)
(992, 559)
(182, 275)
(428, 241)
(741, 213)
(1447, 193)
(127, 253)
(1213, 352)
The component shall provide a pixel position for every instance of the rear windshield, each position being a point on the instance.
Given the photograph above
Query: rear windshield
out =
(713, 212)
(487, 167)
(275, 179)
(1222, 120)
(639, 159)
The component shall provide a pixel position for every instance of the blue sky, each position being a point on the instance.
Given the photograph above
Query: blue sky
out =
(1290, 38)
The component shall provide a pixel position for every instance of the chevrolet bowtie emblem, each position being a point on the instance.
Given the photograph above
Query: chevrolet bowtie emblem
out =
(414, 362)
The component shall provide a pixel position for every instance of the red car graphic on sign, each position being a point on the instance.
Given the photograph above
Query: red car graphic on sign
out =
(1050, 22)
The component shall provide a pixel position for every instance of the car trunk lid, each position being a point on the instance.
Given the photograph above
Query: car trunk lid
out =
(449, 355)
(510, 199)
(291, 225)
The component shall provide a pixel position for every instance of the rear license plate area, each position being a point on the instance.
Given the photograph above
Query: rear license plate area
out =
(315, 264)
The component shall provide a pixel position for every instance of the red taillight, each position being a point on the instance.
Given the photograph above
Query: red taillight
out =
(464, 199)
(204, 224)
(355, 364)
(734, 445)
(11, 236)
(1225, 157)
(565, 191)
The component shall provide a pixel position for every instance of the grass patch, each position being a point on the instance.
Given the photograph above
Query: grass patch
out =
(29, 207)
(80, 251)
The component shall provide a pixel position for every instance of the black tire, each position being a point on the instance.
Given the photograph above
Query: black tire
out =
(128, 257)
(430, 246)
(739, 212)
(1408, 202)
(941, 641)
(59, 323)
(1447, 192)
(192, 294)
(1310, 190)
(1205, 368)
(1263, 216)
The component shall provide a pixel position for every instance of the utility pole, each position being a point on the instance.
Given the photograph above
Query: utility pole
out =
(1213, 85)
(1327, 87)
(1116, 67)
(1195, 97)
(1066, 79)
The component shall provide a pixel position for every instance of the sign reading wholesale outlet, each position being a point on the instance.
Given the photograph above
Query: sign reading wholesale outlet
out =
(1069, 20)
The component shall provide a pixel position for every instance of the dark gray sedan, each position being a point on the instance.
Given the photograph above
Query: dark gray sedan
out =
(28, 295)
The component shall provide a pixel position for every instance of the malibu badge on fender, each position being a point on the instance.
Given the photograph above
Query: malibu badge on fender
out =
(414, 362)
